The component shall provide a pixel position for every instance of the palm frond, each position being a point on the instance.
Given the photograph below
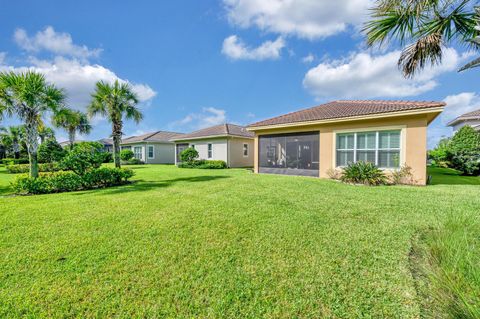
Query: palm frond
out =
(416, 56)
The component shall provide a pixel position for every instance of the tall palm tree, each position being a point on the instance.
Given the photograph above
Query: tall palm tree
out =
(115, 101)
(29, 96)
(12, 136)
(424, 26)
(72, 121)
(45, 133)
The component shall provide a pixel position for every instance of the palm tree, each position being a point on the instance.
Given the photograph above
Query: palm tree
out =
(72, 121)
(45, 133)
(29, 96)
(12, 136)
(427, 25)
(115, 101)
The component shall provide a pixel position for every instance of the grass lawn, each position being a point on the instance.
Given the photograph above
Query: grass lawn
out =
(229, 243)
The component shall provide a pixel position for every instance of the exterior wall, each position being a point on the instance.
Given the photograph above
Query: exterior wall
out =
(219, 148)
(164, 153)
(472, 123)
(413, 140)
(235, 152)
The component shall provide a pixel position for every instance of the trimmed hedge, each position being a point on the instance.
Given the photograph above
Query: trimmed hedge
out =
(67, 181)
(25, 168)
(14, 161)
(204, 164)
(132, 161)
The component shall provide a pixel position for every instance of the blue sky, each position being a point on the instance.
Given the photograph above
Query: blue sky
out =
(200, 63)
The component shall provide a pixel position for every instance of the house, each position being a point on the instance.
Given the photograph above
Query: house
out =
(471, 118)
(107, 144)
(227, 142)
(152, 148)
(314, 141)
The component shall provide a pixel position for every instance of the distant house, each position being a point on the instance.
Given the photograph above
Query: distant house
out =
(471, 118)
(107, 144)
(227, 142)
(153, 148)
(315, 141)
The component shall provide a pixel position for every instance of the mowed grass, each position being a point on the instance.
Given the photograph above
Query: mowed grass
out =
(225, 243)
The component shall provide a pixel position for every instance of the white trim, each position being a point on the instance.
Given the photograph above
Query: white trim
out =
(141, 152)
(153, 151)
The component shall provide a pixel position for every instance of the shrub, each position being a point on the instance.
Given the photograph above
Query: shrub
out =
(83, 157)
(126, 155)
(440, 155)
(108, 157)
(14, 161)
(403, 176)
(189, 155)
(62, 181)
(465, 151)
(133, 161)
(25, 168)
(334, 173)
(50, 151)
(363, 173)
(204, 164)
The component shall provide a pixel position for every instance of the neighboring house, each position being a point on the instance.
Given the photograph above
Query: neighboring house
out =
(107, 144)
(152, 148)
(227, 142)
(314, 141)
(471, 118)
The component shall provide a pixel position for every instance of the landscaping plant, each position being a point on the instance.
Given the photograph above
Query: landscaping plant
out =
(465, 151)
(126, 155)
(50, 151)
(189, 155)
(363, 173)
(83, 157)
(72, 121)
(24, 168)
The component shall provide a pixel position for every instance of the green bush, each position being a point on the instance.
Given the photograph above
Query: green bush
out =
(189, 155)
(465, 151)
(50, 151)
(363, 173)
(204, 164)
(133, 161)
(83, 157)
(126, 155)
(62, 181)
(25, 168)
(108, 157)
(441, 155)
(14, 161)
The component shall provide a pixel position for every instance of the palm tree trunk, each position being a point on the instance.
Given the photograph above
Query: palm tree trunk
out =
(16, 150)
(31, 131)
(33, 159)
(117, 139)
(71, 138)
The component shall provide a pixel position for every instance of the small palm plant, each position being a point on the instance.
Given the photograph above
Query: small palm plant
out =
(29, 96)
(115, 101)
(72, 121)
(363, 173)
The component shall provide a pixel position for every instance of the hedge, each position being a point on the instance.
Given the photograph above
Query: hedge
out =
(25, 168)
(14, 161)
(67, 181)
(204, 164)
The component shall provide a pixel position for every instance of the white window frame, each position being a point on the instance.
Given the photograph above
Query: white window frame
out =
(209, 150)
(402, 149)
(153, 151)
(141, 152)
(245, 148)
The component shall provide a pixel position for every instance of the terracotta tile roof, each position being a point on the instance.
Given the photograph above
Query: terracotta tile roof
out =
(157, 136)
(217, 130)
(474, 115)
(344, 109)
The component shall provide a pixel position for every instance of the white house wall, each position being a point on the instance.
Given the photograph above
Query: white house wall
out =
(164, 153)
(219, 149)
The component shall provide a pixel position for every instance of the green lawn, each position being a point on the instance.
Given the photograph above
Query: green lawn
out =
(229, 243)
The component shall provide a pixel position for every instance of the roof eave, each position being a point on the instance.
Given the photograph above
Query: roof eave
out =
(209, 137)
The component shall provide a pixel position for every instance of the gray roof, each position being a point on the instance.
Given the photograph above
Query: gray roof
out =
(217, 130)
(157, 136)
(474, 115)
(106, 141)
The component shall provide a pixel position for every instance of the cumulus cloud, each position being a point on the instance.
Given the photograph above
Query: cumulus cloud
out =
(209, 116)
(308, 58)
(236, 49)
(49, 40)
(310, 19)
(363, 75)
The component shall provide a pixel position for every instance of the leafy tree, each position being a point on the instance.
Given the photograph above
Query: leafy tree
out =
(465, 150)
(50, 151)
(441, 154)
(115, 101)
(189, 155)
(83, 157)
(426, 25)
(126, 155)
(29, 96)
(72, 121)
(11, 137)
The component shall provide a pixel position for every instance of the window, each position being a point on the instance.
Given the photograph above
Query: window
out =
(151, 152)
(137, 152)
(210, 151)
(126, 147)
(245, 149)
(379, 147)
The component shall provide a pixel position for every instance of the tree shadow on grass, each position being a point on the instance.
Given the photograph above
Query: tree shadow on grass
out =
(447, 176)
(142, 185)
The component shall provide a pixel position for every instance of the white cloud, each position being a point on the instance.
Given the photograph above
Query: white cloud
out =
(367, 76)
(55, 42)
(309, 19)
(3, 55)
(308, 59)
(209, 116)
(459, 104)
(236, 49)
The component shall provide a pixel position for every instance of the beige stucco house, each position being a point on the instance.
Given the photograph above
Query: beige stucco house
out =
(152, 148)
(227, 142)
(314, 141)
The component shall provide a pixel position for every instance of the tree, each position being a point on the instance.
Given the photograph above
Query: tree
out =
(189, 155)
(29, 96)
(126, 155)
(427, 25)
(115, 101)
(45, 133)
(83, 157)
(72, 121)
(12, 137)
(50, 151)
(465, 150)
